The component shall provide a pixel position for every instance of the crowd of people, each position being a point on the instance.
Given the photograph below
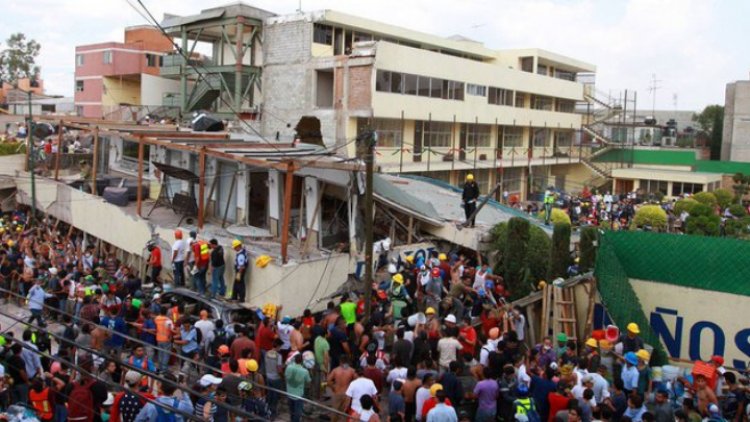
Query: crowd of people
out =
(441, 344)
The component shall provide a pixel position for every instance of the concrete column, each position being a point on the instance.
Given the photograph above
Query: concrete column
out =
(183, 69)
(239, 44)
(312, 209)
(274, 201)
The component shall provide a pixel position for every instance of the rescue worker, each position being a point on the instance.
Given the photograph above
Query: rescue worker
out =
(469, 198)
(549, 200)
(240, 269)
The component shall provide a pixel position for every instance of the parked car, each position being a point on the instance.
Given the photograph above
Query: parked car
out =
(230, 312)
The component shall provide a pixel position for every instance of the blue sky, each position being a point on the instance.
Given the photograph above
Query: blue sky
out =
(693, 46)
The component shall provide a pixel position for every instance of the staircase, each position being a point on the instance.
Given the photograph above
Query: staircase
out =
(205, 93)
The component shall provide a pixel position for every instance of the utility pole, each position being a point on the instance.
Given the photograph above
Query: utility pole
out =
(653, 87)
(368, 139)
(32, 158)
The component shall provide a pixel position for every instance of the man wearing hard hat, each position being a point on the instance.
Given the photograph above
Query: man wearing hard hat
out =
(469, 198)
(240, 268)
(631, 341)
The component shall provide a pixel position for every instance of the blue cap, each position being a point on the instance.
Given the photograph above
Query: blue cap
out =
(631, 358)
(522, 389)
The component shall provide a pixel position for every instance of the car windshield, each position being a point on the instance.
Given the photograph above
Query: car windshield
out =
(240, 316)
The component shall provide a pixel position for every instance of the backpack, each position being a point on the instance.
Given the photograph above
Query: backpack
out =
(198, 336)
(531, 414)
(163, 415)
(81, 402)
(220, 337)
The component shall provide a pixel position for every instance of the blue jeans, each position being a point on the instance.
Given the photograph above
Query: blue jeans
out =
(485, 415)
(218, 287)
(163, 353)
(199, 281)
(63, 306)
(37, 314)
(295, 409)
(61, 413)
(273, 397)
(179, 273)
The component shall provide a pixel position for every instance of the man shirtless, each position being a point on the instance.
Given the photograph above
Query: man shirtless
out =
(704, 394)
(296, 339)
(338, 381)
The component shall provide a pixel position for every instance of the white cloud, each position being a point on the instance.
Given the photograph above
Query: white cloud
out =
(693, 46)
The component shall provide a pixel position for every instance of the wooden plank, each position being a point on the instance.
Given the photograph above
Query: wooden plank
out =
(589, 327)
(139, 188)
(288, 186)
(95, 161)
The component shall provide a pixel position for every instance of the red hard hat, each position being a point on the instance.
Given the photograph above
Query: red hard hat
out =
(436, 272)
(178, 234)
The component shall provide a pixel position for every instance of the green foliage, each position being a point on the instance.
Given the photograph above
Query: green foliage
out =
(558, 216)
(515, 257)
(737, 210)
(589, 240)
(703, 225)
(18, 60)
(686, 204)
(537, 252)
(560, 253)
(10, 148)
(711, 124)
(741, 186)
(723, 197)
(738, 228)
(701, 210)
(650, 215)
(707, 198)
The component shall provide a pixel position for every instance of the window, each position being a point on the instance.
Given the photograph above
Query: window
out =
(388, 130)
(424, 86)
(410, 84)
(361, 36)
(458, 91)
(478, 90)
(107, 57)
(397, 84)
(527, 64)
(520, 99)
(130, 152)
(152, 60)
(437, 134)
(512, 136)
(79, 111)
(654, 186)
(512, 179)
(500, 96)
(565, 106)
(79, 86)
(563, 139)
(79, 59)
(679, 188)
(541, 102)
(436, 88)
(383, 81)
(541, 69)
(477, 135)
(539, 137)
(324, 88)
(323, 34)
(562, 74)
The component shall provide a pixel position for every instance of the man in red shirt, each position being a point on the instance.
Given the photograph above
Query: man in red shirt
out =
(266, 334)
(199, 258)
(154, 260)
(467, 336)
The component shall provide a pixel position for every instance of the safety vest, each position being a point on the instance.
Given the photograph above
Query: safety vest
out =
(549, 197)
(175, 314)
(40, 402)
(163, 333)
(205, 250)
(144, 366)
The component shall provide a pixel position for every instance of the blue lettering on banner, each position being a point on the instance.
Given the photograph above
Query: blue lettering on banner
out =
(742, 341)
(673, 342)
(695, 339)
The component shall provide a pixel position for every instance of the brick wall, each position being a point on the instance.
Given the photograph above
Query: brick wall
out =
(360, 91)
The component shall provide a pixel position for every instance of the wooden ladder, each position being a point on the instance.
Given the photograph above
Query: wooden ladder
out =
(559, 312)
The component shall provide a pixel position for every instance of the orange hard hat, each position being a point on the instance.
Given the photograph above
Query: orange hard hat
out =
(178, 234)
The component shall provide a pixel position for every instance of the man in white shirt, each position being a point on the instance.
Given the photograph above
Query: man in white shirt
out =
(358, 388)
(423, 393)
(179, 253)
(448, 348)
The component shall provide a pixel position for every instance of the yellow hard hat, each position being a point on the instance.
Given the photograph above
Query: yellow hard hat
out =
(443, 257)
(429, 311)
(643, 355)
(19, 229)
(251, 365)
(236, 243)
(542, 284)
(469, 177)
(592, 342)
(410, 259)
(435, 388)
(633, 328)
(398, 278)
(263, 261)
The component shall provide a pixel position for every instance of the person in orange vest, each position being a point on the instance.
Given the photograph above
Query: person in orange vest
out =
(140, 360)
(200, 255)
(41, 400)
(164, 332)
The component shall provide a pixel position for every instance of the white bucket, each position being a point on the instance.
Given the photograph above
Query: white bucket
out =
(656, 373)
(418, 318)
(670, 372)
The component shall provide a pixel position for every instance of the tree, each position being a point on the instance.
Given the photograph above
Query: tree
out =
(652, 216)
(741, 186)
(18, 60)
(711, 124)
(706, 198)
(589, 236)
(724, 197)
(515, 257)
(537, 254)
(560, 252)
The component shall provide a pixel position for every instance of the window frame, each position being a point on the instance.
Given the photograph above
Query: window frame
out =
(79, 60)
(476, 90)
(82, 85)
(107, 57)
(320, 32)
